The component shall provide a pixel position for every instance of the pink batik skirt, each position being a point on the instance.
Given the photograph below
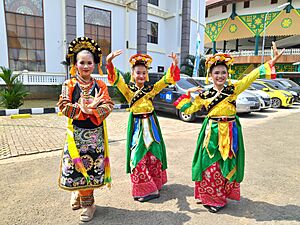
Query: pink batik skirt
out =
(148, 176)
(214, 189)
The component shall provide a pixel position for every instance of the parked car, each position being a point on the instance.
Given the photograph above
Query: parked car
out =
(165, 99)
(291, 85)
(247, 102)
(275, 83)
(279, 98)
(201, 81)
(265, 99)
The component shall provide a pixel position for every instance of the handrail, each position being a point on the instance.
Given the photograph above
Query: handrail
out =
(43, 78)
(293, 51)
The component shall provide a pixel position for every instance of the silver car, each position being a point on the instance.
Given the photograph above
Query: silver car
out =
(246, 102)
(264, 98)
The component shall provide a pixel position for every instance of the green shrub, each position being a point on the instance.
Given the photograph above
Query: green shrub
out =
(187, 66)
(12, 96)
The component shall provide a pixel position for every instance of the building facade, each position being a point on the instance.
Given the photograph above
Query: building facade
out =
(34, 34)
(247, 29)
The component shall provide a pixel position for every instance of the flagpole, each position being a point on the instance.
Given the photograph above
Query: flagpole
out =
(198, 42)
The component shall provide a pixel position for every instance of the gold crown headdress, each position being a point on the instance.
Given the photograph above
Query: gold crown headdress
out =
(140, 59)
(83, 43)
(218, 58)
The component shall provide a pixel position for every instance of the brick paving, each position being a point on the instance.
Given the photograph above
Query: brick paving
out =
(46, 132)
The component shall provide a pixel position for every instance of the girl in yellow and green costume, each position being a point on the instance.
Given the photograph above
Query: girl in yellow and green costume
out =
(85, 101)
(218, 164)
(146, 153)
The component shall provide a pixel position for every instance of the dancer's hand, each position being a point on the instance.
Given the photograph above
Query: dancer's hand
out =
(276, 55)
(113, 55)
(98, 99)
(83, 106)
(194, 89)
(174, 58)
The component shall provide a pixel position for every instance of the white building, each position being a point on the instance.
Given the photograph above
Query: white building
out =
(34, 33)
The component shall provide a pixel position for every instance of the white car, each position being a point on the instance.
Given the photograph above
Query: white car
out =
(247, 102)
(265, 100)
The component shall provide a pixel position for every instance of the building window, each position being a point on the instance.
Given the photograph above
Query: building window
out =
(247, 4)
(274, 1)
(224, 8)
(206, 13)
(152, 32)
(25, 35)
(153, 2)
(97, 25)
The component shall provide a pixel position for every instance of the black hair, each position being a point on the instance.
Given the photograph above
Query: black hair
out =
(218, 64)
(140, 63)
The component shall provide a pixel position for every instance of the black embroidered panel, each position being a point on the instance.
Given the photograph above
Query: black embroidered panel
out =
(88, 124)
(208, 94)
(227, 90)
(139, 93)
(233, 102)
(132, 87)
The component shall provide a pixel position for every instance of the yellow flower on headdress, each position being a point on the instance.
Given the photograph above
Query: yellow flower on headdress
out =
(218, 58)
(141, 59)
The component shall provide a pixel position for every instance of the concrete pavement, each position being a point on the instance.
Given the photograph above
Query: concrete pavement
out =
(270, 191)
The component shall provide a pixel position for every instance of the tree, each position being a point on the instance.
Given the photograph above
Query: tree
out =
(14, 93)
(187, 66)
(185, 29)
(142, 12)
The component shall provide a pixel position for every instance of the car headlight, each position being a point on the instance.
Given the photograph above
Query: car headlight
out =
(293, 93)
(286, 95)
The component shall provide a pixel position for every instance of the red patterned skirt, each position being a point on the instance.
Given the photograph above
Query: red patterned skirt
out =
(147, 177)
(214, 189)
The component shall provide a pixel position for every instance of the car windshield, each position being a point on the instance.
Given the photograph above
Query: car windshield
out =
(270, 86)
(251, 88)
(200, 82)
(288, 83)
(184, 84)
(192, 81)
(277, 84)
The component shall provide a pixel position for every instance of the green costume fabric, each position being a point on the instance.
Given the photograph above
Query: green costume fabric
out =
(140, 149)
(202, 161)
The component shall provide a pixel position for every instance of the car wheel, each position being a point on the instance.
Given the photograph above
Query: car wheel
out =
(186, 117)
(276, 103)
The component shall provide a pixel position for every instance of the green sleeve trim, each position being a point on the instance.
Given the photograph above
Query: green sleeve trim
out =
(185, 106)
(262, 71)
(117, 72)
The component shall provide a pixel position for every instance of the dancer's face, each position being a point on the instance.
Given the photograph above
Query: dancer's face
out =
(85, 64)
(219, 75)
(140, 74)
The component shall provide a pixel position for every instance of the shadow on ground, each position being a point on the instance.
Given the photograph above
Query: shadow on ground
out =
(179, 192)
(118, 216)
(262, 211)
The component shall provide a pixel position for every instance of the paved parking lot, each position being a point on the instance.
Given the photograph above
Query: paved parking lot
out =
(46, 132)
(270, 192)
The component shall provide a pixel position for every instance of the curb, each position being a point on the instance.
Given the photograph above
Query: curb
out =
(8, 112)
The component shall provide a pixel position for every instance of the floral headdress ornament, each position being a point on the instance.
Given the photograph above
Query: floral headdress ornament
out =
(140, 59)
(79, 44)
(217, 59)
